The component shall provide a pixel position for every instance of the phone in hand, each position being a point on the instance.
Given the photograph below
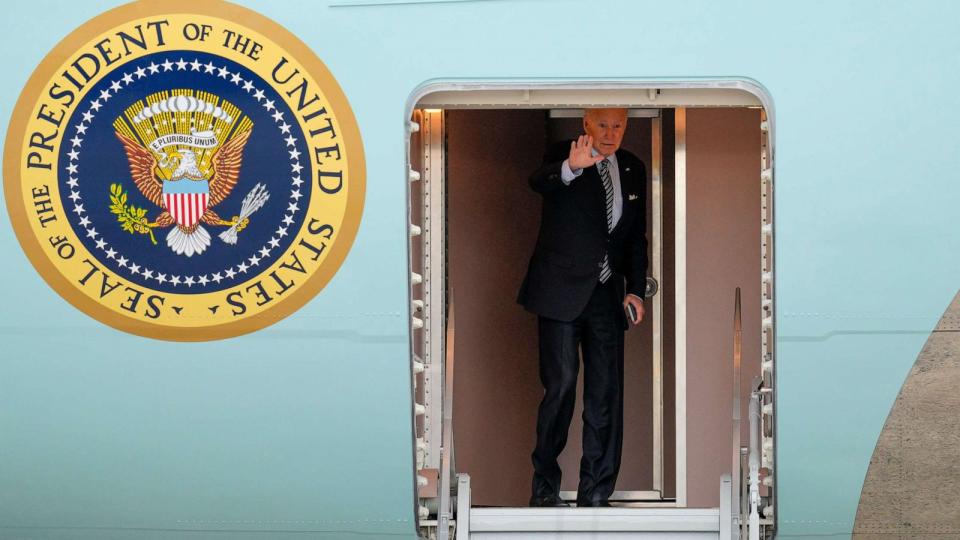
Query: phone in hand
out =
(631, 313)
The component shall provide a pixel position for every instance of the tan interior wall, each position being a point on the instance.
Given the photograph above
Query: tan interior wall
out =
(493, 218)
(723, 252)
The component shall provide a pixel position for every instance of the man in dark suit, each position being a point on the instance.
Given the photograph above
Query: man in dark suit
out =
(589, 265)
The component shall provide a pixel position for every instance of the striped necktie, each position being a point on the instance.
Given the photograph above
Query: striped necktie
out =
(604, 167)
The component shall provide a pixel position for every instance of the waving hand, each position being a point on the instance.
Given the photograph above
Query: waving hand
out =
(581, 153)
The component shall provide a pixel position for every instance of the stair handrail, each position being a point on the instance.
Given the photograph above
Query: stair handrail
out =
(736, 476)
(447, 467)
(753, 521)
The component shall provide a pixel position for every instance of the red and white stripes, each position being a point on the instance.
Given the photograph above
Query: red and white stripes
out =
(186, 208)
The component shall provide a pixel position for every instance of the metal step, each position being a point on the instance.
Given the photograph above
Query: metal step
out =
(594, 523)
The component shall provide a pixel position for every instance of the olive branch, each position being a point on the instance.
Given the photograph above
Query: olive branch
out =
(132, 219)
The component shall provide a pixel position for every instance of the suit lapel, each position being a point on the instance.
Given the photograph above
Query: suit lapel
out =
(599, 196)
(593, 199)
(594, 202)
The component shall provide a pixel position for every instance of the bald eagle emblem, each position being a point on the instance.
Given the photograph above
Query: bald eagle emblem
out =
(185, 150)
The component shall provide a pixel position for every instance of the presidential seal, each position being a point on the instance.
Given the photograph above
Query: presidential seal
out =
(184, 171)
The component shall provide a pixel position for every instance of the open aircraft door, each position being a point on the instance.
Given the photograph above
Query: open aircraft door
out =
(656, 498)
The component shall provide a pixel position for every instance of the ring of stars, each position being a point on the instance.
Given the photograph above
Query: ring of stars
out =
(135, 269)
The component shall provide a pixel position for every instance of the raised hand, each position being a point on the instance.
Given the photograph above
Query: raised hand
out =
(581, 153)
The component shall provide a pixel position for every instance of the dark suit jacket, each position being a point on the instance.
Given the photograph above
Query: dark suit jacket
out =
(573, 237)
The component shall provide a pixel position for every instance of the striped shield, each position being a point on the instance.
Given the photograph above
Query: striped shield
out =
(186, 200)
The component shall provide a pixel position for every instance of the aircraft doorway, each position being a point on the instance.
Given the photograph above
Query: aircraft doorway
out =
(475, 222)
(492, 220)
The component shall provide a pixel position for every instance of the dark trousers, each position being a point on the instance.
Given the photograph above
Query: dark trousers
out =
(599, 332)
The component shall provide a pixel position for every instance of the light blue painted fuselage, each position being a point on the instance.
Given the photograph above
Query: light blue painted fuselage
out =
(306, 425)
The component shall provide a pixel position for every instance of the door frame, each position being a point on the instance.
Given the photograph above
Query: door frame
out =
(639, 93)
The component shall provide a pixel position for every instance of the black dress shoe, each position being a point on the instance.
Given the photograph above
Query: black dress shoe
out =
(548, 501)
(593, 504)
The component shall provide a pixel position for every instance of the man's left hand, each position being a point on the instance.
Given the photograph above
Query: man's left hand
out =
(637, 303)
